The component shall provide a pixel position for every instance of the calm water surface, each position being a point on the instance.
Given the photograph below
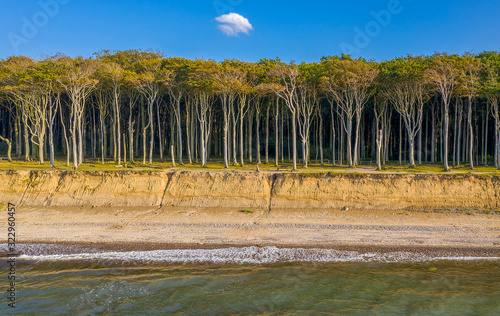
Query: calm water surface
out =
(56, 280)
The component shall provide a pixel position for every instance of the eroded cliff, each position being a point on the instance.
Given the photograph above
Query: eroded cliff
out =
(216, 189)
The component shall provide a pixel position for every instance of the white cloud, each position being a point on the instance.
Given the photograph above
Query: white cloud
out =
(232, 24)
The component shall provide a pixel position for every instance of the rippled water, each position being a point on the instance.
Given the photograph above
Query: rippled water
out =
(270, 281)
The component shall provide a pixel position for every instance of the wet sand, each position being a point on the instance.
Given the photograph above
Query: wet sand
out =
(135, 228)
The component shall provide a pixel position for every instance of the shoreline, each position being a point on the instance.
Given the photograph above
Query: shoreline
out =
(144, 229)
(458, 252)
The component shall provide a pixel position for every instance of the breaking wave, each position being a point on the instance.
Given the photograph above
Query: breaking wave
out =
(244, 255)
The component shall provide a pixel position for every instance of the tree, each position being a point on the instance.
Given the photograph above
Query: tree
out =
(265, 66)
(201, 82)
(245, 89)
(44, 81)
(443, 74)
(405, 88)
(308, 101)
(470, 70)
(77, 79)
(223, 105)
(127, 63)
(133, 96)
(349, 82)
(285, 85)
(13, 70)
(9, 147)
(490, 88)
(113, 77)
(228, 81)
(177, 68)
(149, 81)
(380, 108)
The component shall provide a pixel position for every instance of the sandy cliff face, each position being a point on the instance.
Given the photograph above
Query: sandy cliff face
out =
(370, 191)
(249, 190)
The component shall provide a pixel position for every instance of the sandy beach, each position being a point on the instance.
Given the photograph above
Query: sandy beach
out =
(135, 228)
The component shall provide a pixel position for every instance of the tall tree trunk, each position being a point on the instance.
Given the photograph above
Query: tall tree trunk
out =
(294, 141)
(304, 154)
(80, 139)
(287, 136)
(333, 135)
(267, 133)
(144, 131)
(26, 137)
(419, 153)
(455, 133)
(160, 138)
(471, 134)
(459, 136)
(400, 141)
(9, 147)
(276, 132)
(172, 131)
(114, 135)
(151, 131)
(65, 135)
(356, 141)
(233, 116)
(18, 132)
(349, 143)
(92, 136)
(179, 132)
(282, 126)
(486, 134)
(426, 140)
(257, 135)
(445, 137)
(433, 134)
(342, 138)
(249, 138)
(51, 145)
(379, 148)
(192, 130)
(172, 155)
(124, 149)
(130, 134)
(226, 145)
(320, 138)
(411, 145)
(74, 146)
(202, 147)
(188, 136)
(241, 140)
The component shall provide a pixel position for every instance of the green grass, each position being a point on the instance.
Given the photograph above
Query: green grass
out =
(246, 211)
(217, 165)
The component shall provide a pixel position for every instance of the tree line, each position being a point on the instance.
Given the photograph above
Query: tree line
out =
(136, 106)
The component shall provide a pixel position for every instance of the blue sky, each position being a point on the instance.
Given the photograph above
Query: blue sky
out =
(291, 30)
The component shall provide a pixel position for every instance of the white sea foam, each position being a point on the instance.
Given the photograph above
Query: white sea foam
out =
(245, 255)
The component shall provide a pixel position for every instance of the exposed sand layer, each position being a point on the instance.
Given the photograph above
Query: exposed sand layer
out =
(204, 209)
(271, 191)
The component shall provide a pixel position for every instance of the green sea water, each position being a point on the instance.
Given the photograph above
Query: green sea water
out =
(154, 283)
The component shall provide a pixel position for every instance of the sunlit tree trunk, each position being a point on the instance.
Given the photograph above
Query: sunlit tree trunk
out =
(257, 132)
(276, 132)
(267, 133)
(68, 150)
(9, 147)
(471, 134)
(188, 134)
